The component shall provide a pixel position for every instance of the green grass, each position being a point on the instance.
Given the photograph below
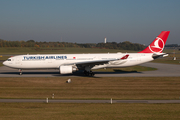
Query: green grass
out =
(91, 88)
(55, 111)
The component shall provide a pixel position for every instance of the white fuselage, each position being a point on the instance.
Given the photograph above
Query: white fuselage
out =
(68, 63)
(49, 61)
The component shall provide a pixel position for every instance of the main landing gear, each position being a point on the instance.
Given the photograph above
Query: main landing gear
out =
(88, 73)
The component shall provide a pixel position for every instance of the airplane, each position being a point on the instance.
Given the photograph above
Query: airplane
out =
(69, 63)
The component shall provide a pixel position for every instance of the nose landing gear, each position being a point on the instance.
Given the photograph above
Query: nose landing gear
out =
(20, 72)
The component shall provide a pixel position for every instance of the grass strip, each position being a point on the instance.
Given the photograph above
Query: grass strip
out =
(41, 111)
(91, 88)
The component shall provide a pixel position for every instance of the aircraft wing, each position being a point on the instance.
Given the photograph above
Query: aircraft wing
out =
(96, 62)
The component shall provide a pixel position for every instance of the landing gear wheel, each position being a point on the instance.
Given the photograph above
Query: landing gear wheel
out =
(90, 73)
(20, 72)
(86, 73)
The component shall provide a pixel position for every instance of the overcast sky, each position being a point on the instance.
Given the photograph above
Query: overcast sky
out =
(89, 21)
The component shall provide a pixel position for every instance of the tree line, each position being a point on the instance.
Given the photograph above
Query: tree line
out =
(172, 45)
(109, 45)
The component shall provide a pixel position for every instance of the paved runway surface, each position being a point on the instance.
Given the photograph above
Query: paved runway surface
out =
(167, 70)
(85, 101)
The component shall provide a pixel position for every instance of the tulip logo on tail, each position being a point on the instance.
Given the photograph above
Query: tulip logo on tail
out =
(157, 46)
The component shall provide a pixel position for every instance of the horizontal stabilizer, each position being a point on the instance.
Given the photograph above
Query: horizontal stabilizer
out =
(155, 56)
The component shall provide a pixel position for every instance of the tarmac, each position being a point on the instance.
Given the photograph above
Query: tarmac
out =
(164, 70)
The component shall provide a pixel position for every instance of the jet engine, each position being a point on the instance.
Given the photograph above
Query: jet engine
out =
(66, 69)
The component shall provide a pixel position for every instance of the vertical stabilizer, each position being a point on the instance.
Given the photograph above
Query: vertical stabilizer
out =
(158, 44)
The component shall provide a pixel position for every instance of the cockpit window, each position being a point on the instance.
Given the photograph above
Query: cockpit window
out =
(8, 59)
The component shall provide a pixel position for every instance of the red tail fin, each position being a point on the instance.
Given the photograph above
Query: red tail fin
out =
(158, 44)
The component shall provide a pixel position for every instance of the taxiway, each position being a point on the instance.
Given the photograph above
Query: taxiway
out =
(164, 70)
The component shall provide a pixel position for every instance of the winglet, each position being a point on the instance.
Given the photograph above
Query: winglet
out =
(158, 44)
(125, 57)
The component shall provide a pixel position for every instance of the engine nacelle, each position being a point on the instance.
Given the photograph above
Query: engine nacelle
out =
(66, 69)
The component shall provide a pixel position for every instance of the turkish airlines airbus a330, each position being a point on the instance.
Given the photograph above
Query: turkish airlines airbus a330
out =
(68, 63)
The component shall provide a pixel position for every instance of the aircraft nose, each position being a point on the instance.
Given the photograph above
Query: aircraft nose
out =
(5, 63)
